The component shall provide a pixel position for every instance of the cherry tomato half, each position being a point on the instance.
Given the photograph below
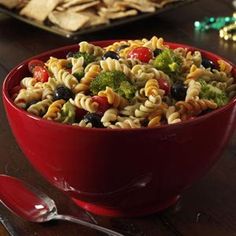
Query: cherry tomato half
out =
(40, 74)
(143, 54)
(164, 85)
(33, 63)
(103, 104)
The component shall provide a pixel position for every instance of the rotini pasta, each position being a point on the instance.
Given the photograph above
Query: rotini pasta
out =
(25, 96)
(194, 107)
(109, 116)
(113, 98)
(40, 108)
(112, 65)
(148, 106)
(64, 77)
(126, 124)
(77, 65)
(116, 87)
(84, 102)
(28, 82)
(53, 112)
(193, 90)
(151, 88)
(90, 49)
(172, 115)
(155, 43)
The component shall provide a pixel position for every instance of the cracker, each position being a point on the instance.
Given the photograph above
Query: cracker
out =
(83, 6)
(138, 6)
(109, 3)
(39, 10)
(9, 3)
(75, 2)
(67, 20)
(117, 15)
(94, 19)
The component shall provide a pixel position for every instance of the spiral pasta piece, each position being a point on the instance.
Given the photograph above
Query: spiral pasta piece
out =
(159, 111)
(113, 98)
(172, 115)
(194, 88)
(84, 102)
(28, 82)
(112, 64)
(225, 66)
(129, 110)
(129, 62)
(116, 46)
(49, 87)
(126, 124)
(131, 45)
(148, 107)
(91, 49)
(27, 95)
(196, 73)
(195, 107)
(139, 96)
(151, 88)
(77, 65)
(40, 108)
(219, 76)
(65, 77)
(141, 75)
(55, 62)
(191, 58)
(155, 43)
(231, 90)
(91, 74)
(109, 116)
(83, 124)
(218, 84)
(154, 122)
(53, 112)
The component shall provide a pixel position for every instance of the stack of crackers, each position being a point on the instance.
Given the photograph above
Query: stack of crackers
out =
(72, 15)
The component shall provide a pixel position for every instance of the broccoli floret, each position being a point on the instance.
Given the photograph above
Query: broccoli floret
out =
(88, 58)
(169, 62)
(126, 90)
(114, 79)
(68, 113)
(211, 92)
(79, 75)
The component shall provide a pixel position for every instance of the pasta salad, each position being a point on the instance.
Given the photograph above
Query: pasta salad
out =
(128, 84)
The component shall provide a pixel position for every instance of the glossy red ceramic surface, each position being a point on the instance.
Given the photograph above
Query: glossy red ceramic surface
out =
(120, 172)
(20, 198)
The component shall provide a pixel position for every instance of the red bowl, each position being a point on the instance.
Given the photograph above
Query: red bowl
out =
(120, 172)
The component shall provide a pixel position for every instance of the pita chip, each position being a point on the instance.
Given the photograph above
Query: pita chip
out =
(117, 15)
(83, 6)
(75, 2)
(94, 19)
(9, 3)
(67, 20)
(39, 10)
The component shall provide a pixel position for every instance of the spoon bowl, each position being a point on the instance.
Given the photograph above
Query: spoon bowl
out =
(33, 205)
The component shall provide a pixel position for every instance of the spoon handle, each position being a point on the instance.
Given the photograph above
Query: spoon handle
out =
(87, 224)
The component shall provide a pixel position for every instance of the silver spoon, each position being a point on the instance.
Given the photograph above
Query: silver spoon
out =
(33, 205)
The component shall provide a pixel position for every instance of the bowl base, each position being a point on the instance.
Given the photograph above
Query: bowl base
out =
(131, 212)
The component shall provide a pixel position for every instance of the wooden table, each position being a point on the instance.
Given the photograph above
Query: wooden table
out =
(206, 208)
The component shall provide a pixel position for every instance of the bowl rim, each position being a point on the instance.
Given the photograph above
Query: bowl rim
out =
(7, 98)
